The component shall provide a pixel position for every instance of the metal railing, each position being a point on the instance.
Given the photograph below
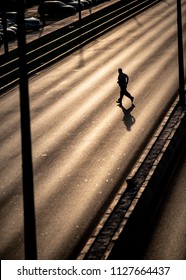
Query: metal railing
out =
(46, 50)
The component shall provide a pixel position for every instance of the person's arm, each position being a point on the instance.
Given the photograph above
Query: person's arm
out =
(127, 79)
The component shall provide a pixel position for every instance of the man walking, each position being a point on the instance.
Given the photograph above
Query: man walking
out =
(123, 80)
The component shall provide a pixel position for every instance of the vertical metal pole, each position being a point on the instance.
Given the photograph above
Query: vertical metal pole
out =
(27, 171)
(43, 15)
(79, 5)
(180, 55)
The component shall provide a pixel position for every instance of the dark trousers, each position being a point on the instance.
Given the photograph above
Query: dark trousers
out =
(123, 91)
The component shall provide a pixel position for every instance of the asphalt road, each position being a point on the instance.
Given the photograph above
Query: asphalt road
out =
(82, 142)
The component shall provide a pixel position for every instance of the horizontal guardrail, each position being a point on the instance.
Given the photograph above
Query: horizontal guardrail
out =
(47, 49)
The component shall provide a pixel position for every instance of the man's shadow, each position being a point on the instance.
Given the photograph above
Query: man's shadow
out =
(128, 119)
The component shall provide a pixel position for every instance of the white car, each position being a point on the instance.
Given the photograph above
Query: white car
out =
(31, 23)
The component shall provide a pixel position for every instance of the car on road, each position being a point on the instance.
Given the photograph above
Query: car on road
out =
(55, 8)
(11, 34)
(84, 4)
(1, 38)
(31, 23)
(75, 4)
(11, 31)
(10, 24)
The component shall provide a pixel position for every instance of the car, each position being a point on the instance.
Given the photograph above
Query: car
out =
(74, 3)
(87, 4)
(10, 25)
(12, 16)
(55, 8)
(1, 39)
(31, 23)
(11, 34)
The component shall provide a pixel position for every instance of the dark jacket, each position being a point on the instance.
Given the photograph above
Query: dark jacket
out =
(123, 79)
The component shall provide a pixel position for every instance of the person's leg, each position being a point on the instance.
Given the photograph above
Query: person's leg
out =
(129, 95)
(121, 96)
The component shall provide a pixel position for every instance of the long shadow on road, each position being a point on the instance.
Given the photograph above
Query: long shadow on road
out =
(128, 119)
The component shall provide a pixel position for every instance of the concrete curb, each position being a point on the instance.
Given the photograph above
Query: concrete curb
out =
(120, 233)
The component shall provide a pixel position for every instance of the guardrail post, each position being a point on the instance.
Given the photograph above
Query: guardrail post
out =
(79, 6)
